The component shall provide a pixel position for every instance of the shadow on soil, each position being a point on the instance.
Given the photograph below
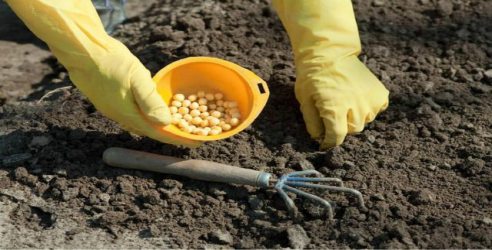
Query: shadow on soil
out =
(13, 29)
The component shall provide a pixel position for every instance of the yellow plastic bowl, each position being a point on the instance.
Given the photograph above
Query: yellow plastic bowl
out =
(192, 74)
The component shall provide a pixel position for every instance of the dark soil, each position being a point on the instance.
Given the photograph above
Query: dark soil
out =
(424, 166)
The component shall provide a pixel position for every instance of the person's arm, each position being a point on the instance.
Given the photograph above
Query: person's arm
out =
(337, 93)
(113, 79)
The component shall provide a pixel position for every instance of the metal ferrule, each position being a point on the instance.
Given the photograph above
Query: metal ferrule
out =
(263, 179)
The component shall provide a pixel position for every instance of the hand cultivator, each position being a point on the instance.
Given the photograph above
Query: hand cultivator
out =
(217, 172)
(288, 182)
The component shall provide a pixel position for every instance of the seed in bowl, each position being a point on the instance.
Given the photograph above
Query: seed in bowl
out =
(194, 105)
(210, 97)
(203, 108)
(176, 104)
(218, 96)
(214, 121)
(216, 114)
(202, 132)
(234, 122)
(195, 113)
(226, 127)
(173, 110)
(197, 120)
(204, 113)
(204, 123)
(187, 117)
(175, 121)
(179, 97)
(217, 128)
(232, 105)
(202, 101)
(192, 98)
(183, 110)
(188, 129)
(186, 103)
(183, 124)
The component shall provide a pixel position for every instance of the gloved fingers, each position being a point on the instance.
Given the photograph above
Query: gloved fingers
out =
(355, 121)
(336, 129)
(312, 119)
(384, 106)
(149, 101)
(370, 117)
(378, 108)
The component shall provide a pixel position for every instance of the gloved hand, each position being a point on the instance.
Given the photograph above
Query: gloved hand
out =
(337, 93)
(104, 70)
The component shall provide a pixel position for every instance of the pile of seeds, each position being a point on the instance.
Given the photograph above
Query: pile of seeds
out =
(204, 113)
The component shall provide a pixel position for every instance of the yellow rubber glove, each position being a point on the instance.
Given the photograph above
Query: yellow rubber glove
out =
(337, 93)
(104, 70)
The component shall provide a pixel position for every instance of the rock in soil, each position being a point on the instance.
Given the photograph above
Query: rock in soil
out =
(221, 237)
(15, 160)
(487, 220)
(488, 73)
(445, 8)
(298, 238)
(255, 202)
(154, 231)
(23, 176)
(70, 193)
(422, 197)
(77, 134)
(40, 141)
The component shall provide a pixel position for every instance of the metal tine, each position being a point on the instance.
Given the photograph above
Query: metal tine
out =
(289, 181)
(301, 173)
(333, 188)
(288, 201)
(308, 179)
(312, 197)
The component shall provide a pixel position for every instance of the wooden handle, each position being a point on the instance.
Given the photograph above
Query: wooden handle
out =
(196, 169)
